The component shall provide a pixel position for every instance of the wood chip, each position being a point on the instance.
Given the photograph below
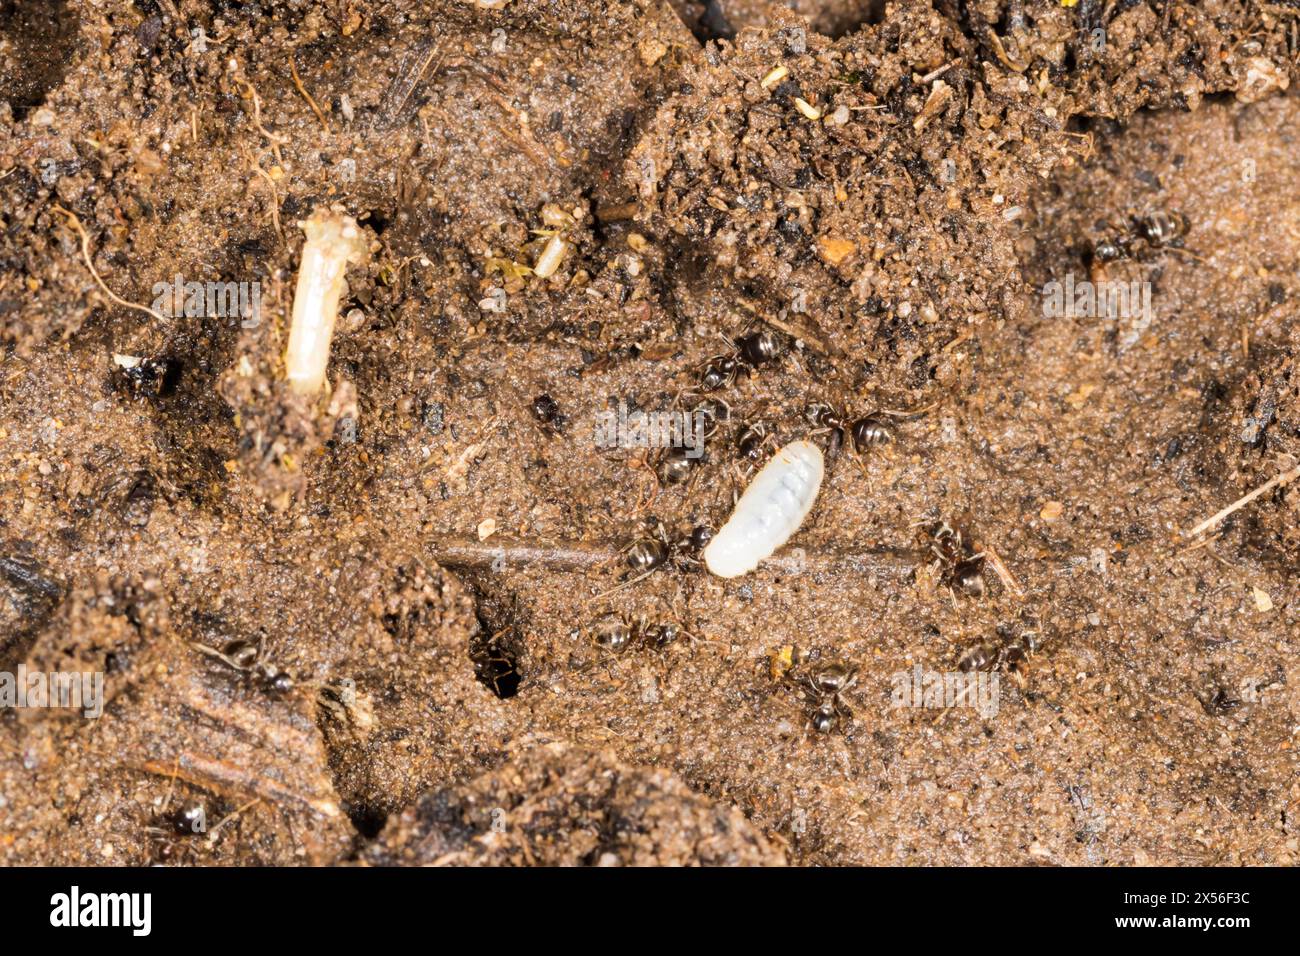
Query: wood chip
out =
(1051, 511)
(835, 250)
(1263, 603)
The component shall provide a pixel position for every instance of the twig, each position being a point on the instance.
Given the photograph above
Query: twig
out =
(275, 193)
(935, 74)
(464, 551)
(171, 786)
(1275, 482)
(85, 254)
(212, 835)
(1004, 573)
(408, 79)
(274, 139)
(618, 212)
(297, 81)
(275, 199)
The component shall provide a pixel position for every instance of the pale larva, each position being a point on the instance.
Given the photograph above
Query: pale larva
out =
(769, 512)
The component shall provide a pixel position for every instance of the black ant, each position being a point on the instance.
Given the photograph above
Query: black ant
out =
(960, 567)
(187, 821)
(748, 353)
(823, 686)
(1218, 704)
(655, 548)
(244, 656)
(751, 440)
(870, 431)
(617, 632)
(150, 376)
(1152, 231)
(678, 465)
(546, 412)
(680, 462)
(1011, 654)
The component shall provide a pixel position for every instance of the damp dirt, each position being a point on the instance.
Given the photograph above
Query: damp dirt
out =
(1027, 271)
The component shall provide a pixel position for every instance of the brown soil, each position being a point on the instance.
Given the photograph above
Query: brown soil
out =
(891, 208)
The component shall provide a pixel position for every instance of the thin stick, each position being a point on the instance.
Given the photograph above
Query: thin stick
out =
(85, 254)
(935, 74)
(293, 68)
(274, 139)
(212, 836)
(1275, 482)
(456, 551)
(1004, 573)
(171, 786)
(275, 199)
(465, 551)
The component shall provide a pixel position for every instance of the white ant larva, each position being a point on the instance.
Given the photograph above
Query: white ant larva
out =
(334, 241)
(769, 512)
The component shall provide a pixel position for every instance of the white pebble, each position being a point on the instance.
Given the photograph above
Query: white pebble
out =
(494, 301)
(769, 512)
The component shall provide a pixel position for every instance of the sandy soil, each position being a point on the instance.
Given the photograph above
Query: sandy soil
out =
(363, 627)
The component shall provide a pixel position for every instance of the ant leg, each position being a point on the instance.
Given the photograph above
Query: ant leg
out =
(640, 462)
(626, 584)
(857, 459)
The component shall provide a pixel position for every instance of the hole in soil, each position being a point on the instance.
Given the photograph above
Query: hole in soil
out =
(708, 21)
(720, 19)
(36, 47)
(498, 647)
(369, 820)
(848, 18)
(377, 221)
(495, 654)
